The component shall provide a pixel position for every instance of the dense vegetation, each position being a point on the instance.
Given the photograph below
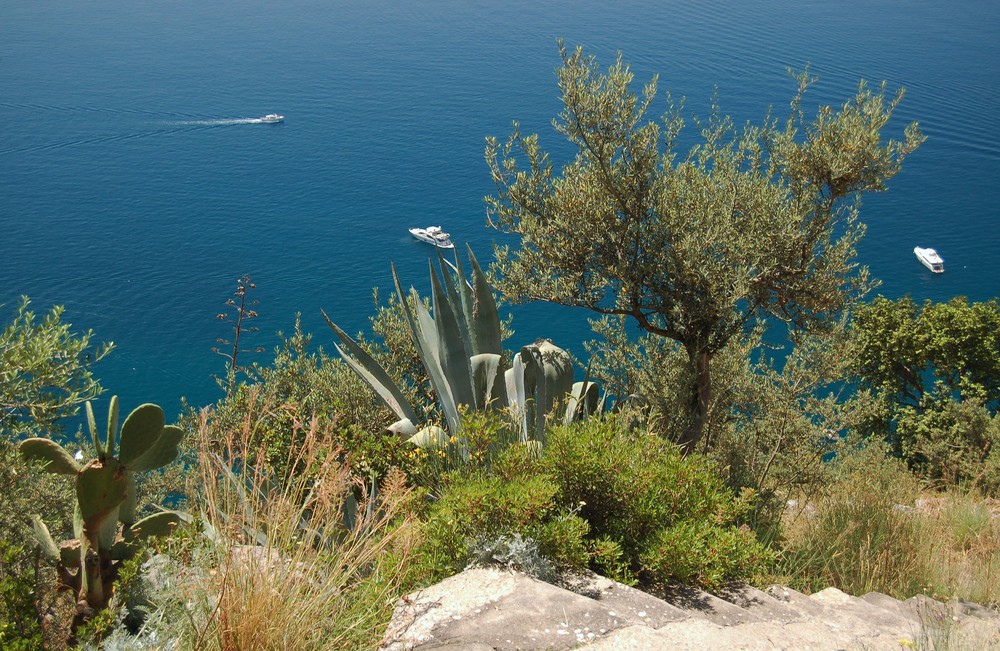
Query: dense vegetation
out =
(322, 487)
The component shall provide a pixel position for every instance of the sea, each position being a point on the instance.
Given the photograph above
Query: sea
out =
(137, 186)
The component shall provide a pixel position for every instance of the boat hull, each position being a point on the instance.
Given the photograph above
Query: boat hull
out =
(930, 259)
(421, 235)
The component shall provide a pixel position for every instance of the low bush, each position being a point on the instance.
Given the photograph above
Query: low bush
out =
(600, 496)
(670, 516)
(280, 399)
(477, 506)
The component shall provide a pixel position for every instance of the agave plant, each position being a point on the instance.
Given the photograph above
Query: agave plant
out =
(105, 498)
(460, 345)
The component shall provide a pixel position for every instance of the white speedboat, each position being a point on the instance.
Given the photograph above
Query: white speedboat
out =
(930, 259)
(433, 235)
(272, 118)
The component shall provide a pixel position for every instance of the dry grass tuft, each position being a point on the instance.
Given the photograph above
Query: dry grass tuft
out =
(290, 571)
(874, 529)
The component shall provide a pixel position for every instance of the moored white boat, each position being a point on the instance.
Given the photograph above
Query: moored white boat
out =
(272, 118)
(433, 235)
(930, 259)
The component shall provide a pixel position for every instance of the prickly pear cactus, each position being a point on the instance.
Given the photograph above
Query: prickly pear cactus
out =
(105, 499)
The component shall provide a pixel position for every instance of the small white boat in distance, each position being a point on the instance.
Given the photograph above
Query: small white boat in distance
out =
(930, 259)
(272, 118)
(433, 235)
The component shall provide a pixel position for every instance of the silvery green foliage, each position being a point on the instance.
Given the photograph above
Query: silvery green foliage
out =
(159, 609)
(148, 638)
(460, 344)
(512, 552)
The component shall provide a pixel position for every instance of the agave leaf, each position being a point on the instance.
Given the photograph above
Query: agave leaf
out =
(577, 408)
(372, 373)
(140, 433)
(582, 402)
(487, 321)
(468, 303)
(56, 459)
(516, 398)
(403, 428)
(455, 301)
(410, 317)
(426, 346)
(454, 355)
(430, 437)
(490, 392)
(553, 380)
(426, 330)
(437, 376)
(164, 451)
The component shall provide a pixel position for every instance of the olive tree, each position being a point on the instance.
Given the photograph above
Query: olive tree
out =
(752, 225)
(44, 370)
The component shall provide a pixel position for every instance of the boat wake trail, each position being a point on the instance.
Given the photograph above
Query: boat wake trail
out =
(160, 128)
(221, 123)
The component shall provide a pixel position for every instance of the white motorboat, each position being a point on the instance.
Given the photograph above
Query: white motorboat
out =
(272, 118)
(930, 259)
(433, 235)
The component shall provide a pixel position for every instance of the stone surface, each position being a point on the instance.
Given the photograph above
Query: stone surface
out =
(497, 610)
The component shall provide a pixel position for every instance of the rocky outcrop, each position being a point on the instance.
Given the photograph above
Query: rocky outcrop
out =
(489, 609)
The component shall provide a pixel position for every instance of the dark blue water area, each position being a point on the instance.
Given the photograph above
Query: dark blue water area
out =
(135, 186)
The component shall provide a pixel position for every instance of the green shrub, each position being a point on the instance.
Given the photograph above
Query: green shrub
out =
(953, 443)
(662, 516)
(297, 386)
(625, 504)
(698, 552)
(475, 505)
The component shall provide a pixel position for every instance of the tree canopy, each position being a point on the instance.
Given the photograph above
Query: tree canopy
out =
(44, 370)
(752, 224)
(935, 370)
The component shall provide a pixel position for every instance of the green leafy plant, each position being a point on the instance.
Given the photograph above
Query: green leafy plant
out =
(597, 495)
(44, 370)
(105, 498)
(483, 506)
(653, 515)
(460, 348)
(934, 369)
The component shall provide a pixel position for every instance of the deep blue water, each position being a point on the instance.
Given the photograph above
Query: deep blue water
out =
(132, 192)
